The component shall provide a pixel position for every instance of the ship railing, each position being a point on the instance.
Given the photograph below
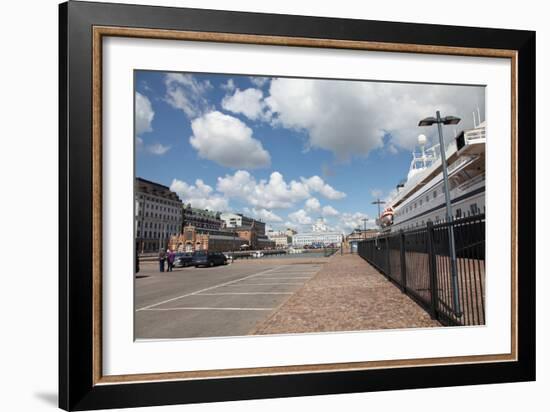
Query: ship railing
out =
(475, 134)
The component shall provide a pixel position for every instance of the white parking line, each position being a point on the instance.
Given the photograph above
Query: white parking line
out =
(245, 293)
(205, 289)
(201, 308)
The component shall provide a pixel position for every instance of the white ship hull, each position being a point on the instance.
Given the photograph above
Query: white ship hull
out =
(422, 199)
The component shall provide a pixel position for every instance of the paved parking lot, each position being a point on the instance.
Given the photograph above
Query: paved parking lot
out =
(220, 301)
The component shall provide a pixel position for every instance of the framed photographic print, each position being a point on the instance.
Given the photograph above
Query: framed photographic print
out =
(256, 206)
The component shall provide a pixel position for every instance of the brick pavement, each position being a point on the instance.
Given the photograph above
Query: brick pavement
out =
(346, 294)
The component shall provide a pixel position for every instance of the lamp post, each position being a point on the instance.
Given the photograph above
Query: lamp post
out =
(233, 244)
(364, 227)
(429, 121)
(378, 202)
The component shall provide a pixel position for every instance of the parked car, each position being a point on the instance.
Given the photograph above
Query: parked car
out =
(183, 260)
(203, 258)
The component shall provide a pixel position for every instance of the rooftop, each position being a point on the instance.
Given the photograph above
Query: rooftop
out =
(156, 189)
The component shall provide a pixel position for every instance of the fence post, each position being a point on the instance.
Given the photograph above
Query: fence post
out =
(388, 265)
(403, 261)
(433, 270)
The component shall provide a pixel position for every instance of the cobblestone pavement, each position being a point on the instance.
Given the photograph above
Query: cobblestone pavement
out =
(347, 294)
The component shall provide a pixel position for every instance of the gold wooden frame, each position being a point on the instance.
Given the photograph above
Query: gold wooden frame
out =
(101, 31)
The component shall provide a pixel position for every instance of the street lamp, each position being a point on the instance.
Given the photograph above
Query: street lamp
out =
(378, 202)
(364, 227)
(429, 121)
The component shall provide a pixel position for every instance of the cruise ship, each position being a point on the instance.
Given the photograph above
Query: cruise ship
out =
(421, 198)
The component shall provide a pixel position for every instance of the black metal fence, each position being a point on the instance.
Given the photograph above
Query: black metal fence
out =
(419, 262)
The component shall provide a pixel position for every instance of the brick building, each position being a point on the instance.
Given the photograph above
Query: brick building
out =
(193, 239)
(221, 240)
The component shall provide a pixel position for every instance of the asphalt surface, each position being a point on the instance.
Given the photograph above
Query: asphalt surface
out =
(213, 302)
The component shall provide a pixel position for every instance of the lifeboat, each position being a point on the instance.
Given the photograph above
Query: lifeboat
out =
(386, 218)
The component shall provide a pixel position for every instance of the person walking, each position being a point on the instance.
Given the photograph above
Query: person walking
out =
(162, 258)
(171, 257)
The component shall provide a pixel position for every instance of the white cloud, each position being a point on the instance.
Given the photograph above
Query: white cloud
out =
(265, 215)
(350, 221)
(143, 118)
(300, 217)
(186, 93)
(329, 211)
(312, 205)
(316, 184)
(392, 149)
(259, 81)
(227, 141)
(376, 193)
(239, 185)
(274, 193)
(228, 86)
(248, 102)
(351, 118)
(199, 195)
(291, 225)
(158, 148)
(144, 114)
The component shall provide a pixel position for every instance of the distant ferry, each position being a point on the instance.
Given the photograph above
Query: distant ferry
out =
(422, 197)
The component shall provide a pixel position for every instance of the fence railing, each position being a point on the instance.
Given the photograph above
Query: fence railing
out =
(419, 262)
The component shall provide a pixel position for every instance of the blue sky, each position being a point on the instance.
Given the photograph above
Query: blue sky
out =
(287, 151)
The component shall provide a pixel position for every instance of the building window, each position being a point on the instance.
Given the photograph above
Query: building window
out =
(435, 194)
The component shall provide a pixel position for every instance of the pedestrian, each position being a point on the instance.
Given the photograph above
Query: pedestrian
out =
(162, 258)
(171, 257)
